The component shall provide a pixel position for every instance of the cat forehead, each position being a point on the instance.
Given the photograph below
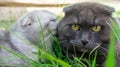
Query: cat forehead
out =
(82, 20)
(96, 8)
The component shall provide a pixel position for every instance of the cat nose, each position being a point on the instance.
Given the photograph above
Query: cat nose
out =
(84, 42)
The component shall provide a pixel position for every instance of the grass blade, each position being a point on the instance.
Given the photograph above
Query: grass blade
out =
(110, 62)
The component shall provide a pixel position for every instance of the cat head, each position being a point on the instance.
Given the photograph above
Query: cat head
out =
(84, 27)
(32, 24)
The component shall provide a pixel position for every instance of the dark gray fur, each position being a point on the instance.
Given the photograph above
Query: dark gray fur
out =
(86, 15)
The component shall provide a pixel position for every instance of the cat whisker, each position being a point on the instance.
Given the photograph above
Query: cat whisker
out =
(102, 47)
(98, 45)
(103, 50)
(75, 42)
(65, 42)
(104, 54)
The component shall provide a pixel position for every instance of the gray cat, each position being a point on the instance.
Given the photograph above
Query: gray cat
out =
(30, 31)
(84, 28)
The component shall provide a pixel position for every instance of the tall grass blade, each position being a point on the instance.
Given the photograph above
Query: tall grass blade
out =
(94, 60)
(110, 62)
(49, 57)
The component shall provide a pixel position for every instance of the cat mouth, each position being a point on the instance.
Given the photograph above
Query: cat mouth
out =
(77, 50)
(84, 49)
(73, 50)
(76, 53)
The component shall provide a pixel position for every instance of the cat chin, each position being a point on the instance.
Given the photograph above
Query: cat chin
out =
(71, 54)
(73, 49)
(78, 51)
(78, 48)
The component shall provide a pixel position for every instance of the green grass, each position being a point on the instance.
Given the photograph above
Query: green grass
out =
(58, 61)
(110, 62)
(115, 35)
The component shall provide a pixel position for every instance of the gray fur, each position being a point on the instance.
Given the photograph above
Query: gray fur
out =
(26, 35)
(76, 42)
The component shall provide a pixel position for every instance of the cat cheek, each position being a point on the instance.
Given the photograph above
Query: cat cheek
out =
(105, 38)
(67, 35)
(70, 33)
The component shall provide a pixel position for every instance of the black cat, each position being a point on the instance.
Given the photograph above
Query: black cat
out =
(84, 28)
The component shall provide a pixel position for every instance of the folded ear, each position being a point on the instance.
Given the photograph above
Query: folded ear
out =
(68, 9)
(28, 20)
(107, 10)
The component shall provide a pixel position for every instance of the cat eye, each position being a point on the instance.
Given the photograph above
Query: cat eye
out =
(96, 28)
(75, 27)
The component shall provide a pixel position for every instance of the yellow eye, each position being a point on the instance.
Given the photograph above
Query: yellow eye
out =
(75, 27)
(96, 28)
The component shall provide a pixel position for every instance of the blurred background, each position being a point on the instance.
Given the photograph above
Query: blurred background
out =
(11, 10)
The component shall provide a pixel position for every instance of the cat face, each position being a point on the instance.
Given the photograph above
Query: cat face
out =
(84, 28)
(32, 23)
